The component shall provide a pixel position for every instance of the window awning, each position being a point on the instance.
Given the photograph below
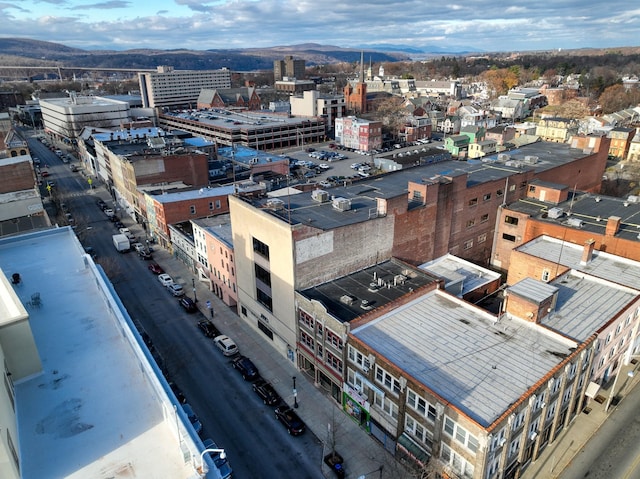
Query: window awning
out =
(592, 390)
(409, 446)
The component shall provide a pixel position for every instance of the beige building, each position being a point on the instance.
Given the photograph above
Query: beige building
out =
(313, 103)
(66, 117)
(558, 130)
(171, 88)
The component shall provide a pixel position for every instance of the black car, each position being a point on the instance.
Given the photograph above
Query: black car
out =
(101, 204)
(144, 254)
(188, 304)
(290, 419)
(119, 224)
(208, 328)
(265, 390)
(246, 367)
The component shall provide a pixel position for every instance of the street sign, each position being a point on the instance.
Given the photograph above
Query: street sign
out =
(208, 304)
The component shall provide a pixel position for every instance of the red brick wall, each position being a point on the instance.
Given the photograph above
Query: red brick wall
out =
(584, 174)
(177, 211)
(191, 168)
(523, 266)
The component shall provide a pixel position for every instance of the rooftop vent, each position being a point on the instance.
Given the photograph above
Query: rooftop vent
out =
(575, 222)
(366, 304)
(531, 159)
(373, 287)
(275, 204)
(503, 157)
(555, 213)
(341, 204)
(348, 299)
(321, 196)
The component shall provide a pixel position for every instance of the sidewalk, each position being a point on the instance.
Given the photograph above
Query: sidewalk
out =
(362, 454)
(557, 456)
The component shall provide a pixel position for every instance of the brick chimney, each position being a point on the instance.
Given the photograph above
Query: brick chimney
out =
(613, 225)
(587, 252)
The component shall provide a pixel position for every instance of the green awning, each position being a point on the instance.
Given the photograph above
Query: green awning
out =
(413, 449)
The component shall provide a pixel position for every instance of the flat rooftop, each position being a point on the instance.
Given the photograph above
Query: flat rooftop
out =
(613, 268)
(463, 354)
(97, 409)
(589, 212)
(460, 277)
(363, 194)
(377, 285)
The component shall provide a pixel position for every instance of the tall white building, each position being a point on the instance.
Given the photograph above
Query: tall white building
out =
(66, 117)
(169, 87)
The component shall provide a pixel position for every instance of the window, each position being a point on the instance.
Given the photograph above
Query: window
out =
(388, 406)
(260, 248)
(306, 319)
(355, 380)
(334, 362)
(545, 275)
(218, 204)
(523, 185)
(334, 339)
(210, 205)
(499, 193)
(473, 201)
(486, 197)
(484, 218)
(460, 434)
(471, 223)
(307, 340)
(262, 275)
(511, 220)
(482, 238)
(512, 187)
(192, 209)
(457, 462)
(419, 404)
(508, 237)
(468, 244)
(264, 299)
(390, 382)
(418, 431)
(358, 358)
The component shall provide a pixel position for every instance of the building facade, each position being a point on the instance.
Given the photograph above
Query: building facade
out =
(357, 133)
(289, 67)
(172, 88)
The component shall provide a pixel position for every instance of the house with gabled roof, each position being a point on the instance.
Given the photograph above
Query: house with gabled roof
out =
(243, 97)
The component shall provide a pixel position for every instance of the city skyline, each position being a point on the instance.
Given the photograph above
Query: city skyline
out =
(200, 25)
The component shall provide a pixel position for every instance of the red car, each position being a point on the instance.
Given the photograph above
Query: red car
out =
(155, 268)
(44, 174)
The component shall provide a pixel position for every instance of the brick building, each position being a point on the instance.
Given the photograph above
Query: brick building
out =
(288, 67)
(244, 98)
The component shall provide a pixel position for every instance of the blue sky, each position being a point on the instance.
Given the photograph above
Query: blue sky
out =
(200, 25)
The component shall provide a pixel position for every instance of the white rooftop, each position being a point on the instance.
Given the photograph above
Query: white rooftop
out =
(97, 409)
(602, 265)
(460, 276)
(461, 353)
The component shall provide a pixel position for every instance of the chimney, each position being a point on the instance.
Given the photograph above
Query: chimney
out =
(613, 225)
(587, 252)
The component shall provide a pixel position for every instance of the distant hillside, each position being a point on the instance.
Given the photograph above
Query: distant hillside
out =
(237, 59)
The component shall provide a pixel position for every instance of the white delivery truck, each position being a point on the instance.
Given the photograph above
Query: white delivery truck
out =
(121, 242)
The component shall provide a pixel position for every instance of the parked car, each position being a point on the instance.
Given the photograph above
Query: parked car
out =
(144, 254)
(325, 184)
(137, 247)
(155, 268)
(266, 392)
(290, 420)
(188, 304)
(176, 289)
(208, 328)
(220, 460)
(193, 418)
(109, 212)
(247, 369)
(101, 204)
(165, 279)
(44, 173)
(226, 345)
(127, 232)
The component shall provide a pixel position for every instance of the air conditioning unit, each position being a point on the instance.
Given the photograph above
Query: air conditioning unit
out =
(341, 204)
(275, 204)
(533, 435)
(531, 159)
(575, 222)
(555, 213)
(321, 196)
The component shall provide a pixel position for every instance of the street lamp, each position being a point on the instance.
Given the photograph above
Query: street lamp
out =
(203, 468)
(295, 393)
(363, 476)
(193, 283)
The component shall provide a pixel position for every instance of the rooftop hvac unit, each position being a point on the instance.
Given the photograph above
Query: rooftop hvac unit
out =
(341, 204)
(531, 159)
(575, 222)
(348, 299)
(321, 196)
(514, 163)
(503, 157)
(555, 213)
(275, 203)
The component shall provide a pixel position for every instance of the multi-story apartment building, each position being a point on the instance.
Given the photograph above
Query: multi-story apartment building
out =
(213, 239)
(482, 148)
(620, 141)
(357, 133)
(174, 88)
(127, 159)
(288, 67)
(556, 129)
(313, 104)
(66, 117)
(294, 86)
(166, 205)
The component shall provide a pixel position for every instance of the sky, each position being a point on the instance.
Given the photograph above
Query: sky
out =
(483, 25)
